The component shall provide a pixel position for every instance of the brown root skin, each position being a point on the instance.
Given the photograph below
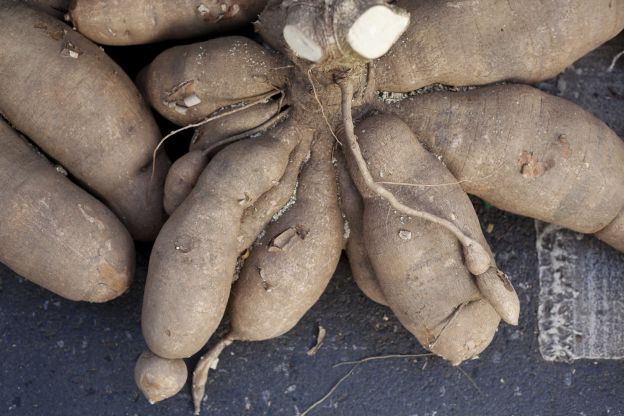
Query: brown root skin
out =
(288, 268)
(291, 265)
(353, 210)
(188, 83)
(419, 264)
(465, 333)
(108, 155)
(159, 378)
(495, 286)
(216, 134)
(211, 137)
(200, 242)
(182, 178)
(458, 43)
(477, 258)
(538, 156)
(142, 21)
(55, 234)
(258, 216)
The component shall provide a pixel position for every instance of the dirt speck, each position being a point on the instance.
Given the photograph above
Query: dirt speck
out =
(564, 145)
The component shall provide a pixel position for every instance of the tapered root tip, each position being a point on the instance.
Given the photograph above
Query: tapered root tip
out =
(477, 259)
(498, 290)
(467, 332)
(159, 378)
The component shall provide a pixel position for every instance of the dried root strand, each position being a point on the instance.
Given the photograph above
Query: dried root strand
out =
(185, 172)
(210, 118)
(476, 257)
(207, 362)
(275, 119)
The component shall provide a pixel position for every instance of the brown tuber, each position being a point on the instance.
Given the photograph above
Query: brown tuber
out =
(82, 110)
(55, 234)
(262, 205)
(289, 267)
(141, 21)
(159, 378)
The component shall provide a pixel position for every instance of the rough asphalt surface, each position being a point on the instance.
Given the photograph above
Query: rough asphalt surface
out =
(64, 358)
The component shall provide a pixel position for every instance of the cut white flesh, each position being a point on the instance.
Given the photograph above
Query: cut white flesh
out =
(302, 45)
(376, 30)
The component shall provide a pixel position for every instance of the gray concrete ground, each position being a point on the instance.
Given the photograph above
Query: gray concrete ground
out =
(64, 358)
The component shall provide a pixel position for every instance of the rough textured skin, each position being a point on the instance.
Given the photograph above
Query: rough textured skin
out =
(118, 22)
(460, 42)
(83, 111)
(159, 378)
(209, 138)
(194, 256)
(182, 178)
(353, 209)
(419, 265)
(423, 269)
(219, 72)
(55, 234)
(256, 217)
(291, 265)
(525, 152)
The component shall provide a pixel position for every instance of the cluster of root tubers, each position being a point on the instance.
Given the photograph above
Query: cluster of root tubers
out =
(295, 157)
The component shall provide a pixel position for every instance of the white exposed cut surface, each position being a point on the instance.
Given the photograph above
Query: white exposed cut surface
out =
(302, 45)
(376, 30)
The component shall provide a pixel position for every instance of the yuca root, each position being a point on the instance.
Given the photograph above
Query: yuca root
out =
(180, 315)
(135, 23)
(258, 216)
(212, 136)
(289, 266)
(538, 156)
(462, 44)
(477, 259)
(55, 234)
(187, 83)
(419, 263)
(353, 210)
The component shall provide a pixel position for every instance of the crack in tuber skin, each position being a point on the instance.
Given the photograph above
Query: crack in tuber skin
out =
(427, 257)
(285, 277)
